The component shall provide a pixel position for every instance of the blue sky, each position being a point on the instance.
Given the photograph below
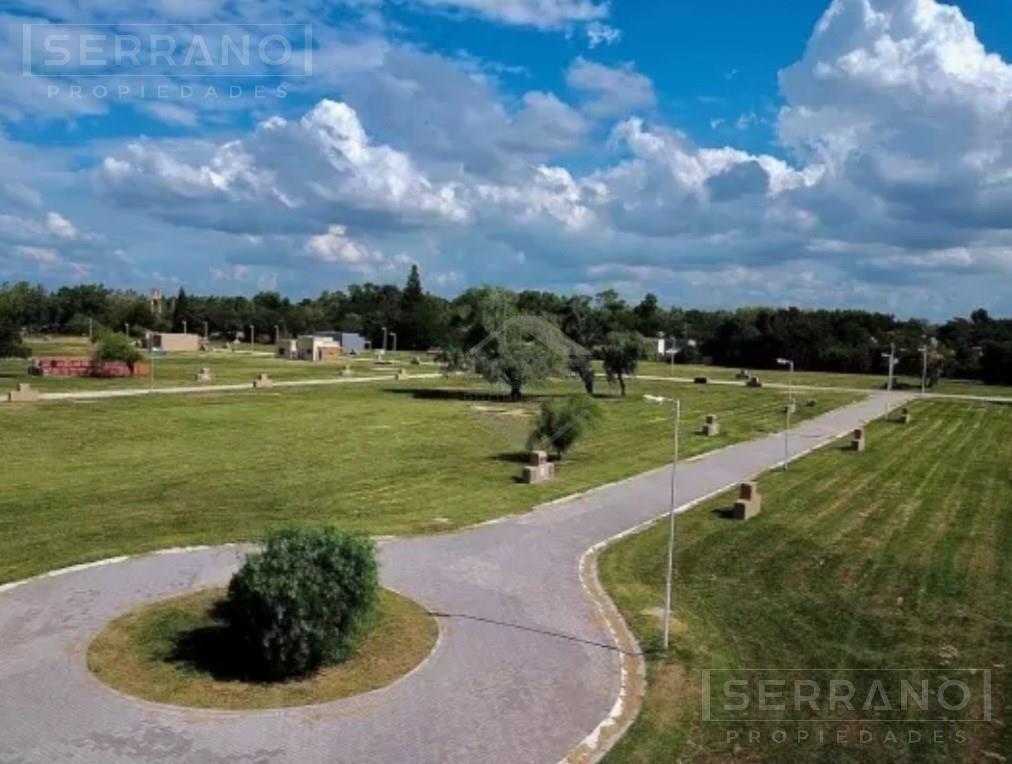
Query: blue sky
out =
(855, 153)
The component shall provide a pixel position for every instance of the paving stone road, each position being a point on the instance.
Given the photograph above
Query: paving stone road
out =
(525, 667)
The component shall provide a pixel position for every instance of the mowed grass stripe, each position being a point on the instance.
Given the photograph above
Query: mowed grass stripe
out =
(891, 558)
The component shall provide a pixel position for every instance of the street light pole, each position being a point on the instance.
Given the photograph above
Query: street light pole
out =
(205, 331)
(924, 369)
(788, 409)
(891, 359)
(184, 326)
(384, 341)
(394, 336)
(671, 516)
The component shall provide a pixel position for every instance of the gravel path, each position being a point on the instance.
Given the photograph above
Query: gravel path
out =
(525, 669)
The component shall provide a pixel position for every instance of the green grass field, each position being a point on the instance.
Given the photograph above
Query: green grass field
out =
(92, 479)
(179, 369)
(825, 379)
(897, 558)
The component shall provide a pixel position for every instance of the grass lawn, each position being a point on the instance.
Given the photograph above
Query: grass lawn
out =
(177, 652)
(88, 480)
(176, 369)
(897, 558)
(825, 379)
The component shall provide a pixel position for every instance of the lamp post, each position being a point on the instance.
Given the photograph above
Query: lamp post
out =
(205, 331)
(790, 405)
(891, 359)
(671, 514)
(383, 352)
(394, 336)
(184, 326)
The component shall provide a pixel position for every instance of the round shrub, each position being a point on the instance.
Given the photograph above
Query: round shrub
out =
(304, 601)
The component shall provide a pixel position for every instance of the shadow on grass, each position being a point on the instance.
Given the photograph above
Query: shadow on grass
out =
(724, 513)
(213, 650)
(493, 396)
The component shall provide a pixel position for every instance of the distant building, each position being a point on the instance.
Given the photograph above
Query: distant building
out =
(174, 342)
(351, 342)
(309, 347)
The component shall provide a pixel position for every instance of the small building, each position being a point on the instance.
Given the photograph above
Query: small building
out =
(351, 342)
(309, 347)
(174, 342)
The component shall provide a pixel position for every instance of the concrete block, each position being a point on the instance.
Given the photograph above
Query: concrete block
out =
(262, 381)
(711, 426)
(904, 415)
(791, 407)
(205, 375)
(23, 393)
(754, 382)
(749, 503)
(539, 470)
(401, 374)
(857, 440)
(346, 371)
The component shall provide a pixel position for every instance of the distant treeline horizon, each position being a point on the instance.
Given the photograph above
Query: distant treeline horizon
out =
(978, 346)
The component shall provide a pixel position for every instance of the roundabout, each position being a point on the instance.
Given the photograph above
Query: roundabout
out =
(179, 652)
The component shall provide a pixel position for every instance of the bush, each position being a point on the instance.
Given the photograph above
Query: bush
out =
(563, 422)
(11, 345)
(304, 601)
(113, 346)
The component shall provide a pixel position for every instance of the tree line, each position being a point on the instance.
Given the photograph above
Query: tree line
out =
(975, 347)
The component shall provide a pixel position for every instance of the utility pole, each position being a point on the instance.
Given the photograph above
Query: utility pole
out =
(205, 331)
(924, 369)
(384, 341)
(394, 336)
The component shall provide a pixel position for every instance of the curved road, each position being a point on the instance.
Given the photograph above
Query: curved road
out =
(525, 669)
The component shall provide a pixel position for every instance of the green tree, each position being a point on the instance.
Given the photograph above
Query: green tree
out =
(303, 602)
(580, 364)
(11, 345)
(564, 421)
(181, 311)
(113, 346)
(620, 355)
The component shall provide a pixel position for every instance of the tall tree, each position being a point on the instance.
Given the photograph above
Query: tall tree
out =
(620, 355)
(180, 311)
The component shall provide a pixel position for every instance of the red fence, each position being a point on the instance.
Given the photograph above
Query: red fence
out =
(85, 367)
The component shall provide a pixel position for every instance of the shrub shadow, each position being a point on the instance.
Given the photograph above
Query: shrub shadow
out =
(215, 651)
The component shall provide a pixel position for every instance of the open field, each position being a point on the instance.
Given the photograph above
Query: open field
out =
(897, 558)
(88, 480)
(177, 651)
(178, 369)
(826, 379)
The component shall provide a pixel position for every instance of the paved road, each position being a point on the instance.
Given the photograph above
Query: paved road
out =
(526, 666)
(134, 392)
